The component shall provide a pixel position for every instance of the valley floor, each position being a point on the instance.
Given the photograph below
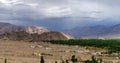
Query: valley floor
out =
(26, 52)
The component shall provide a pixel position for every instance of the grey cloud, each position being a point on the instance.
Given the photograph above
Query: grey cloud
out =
(71, 12)
(54, 8)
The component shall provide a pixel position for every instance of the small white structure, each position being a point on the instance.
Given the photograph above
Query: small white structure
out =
(117, 58)
(70, 62)
(87, 51)
(79, 51)
(96, 53)
(39, 54)
(76, 46)
(35, 54)
(48, 48)
(39, 46)
(84, 37)
(100, 38)
(115, 54)
(67, 51)
(32, 46)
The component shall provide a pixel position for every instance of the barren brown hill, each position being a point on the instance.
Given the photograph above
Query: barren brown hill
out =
(19, 36)
(24, 36)
(9, 28)
(52, 36)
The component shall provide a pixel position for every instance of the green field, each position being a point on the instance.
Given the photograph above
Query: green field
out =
(112, 45)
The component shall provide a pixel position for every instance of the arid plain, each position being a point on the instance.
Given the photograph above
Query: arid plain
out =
(26, 52)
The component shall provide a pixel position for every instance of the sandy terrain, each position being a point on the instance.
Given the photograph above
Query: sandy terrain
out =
(25, 52)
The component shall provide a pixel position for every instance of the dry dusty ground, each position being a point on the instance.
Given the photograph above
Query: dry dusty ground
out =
(26, 52)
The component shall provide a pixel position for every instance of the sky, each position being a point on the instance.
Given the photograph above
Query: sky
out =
(60, 14)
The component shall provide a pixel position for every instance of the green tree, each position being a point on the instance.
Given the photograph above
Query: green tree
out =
(55, 61)
(93, 58)
(42, 59)
(5, 60)
(74, 59)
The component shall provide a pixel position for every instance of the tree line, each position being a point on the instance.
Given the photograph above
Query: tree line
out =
(112, 45)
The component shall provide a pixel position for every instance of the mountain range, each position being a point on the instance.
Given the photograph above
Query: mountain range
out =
(43, 33)
(95, 31)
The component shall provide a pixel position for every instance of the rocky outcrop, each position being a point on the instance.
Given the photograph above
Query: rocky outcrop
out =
(34, 29)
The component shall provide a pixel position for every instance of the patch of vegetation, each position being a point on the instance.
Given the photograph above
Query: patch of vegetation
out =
(112, 45)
